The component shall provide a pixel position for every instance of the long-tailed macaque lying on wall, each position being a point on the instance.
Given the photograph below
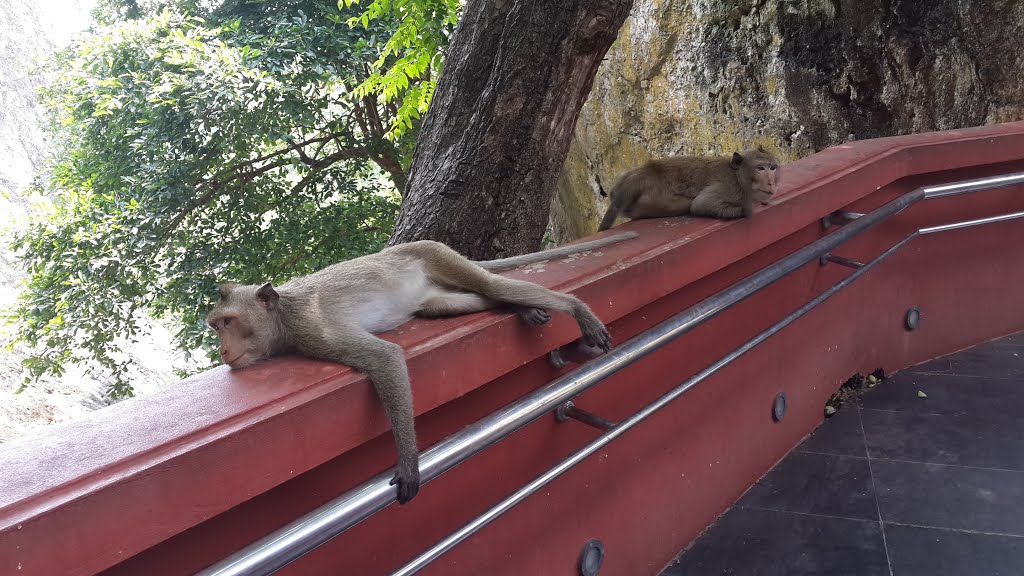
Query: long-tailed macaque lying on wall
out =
(720, 187)
(333, 314)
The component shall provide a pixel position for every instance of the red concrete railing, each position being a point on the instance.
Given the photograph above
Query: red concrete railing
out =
(172, 482)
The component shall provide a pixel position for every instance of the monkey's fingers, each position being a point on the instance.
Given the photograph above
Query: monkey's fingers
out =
(408, 484)
(534, 316)
(595, 334)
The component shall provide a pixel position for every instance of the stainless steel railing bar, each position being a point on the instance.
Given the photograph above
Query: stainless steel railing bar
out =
(601, 441)
(971, 223)
(975, 185)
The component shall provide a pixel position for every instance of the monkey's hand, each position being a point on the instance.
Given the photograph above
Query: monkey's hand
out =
(534, 316)
(407, 476)
(596, 335)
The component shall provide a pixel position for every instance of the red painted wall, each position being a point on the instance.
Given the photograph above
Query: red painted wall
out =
(171, 482)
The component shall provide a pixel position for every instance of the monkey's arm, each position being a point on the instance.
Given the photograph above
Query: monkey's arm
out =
(714, 201)
(384, 363)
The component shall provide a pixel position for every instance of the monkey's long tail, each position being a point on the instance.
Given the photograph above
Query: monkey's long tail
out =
(516, 261)
(609, 217)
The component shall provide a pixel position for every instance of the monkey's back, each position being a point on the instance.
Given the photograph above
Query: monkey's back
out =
(688, 175)
(665, 186)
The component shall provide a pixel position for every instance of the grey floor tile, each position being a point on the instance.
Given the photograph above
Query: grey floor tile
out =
(989, 361)
(994, 360)
(947, 394)
(824, 484)
(954, 497)
(840, 434)
(750, 542)
(1011, 341)
(992, 440)
(936, 366)
(917, 551)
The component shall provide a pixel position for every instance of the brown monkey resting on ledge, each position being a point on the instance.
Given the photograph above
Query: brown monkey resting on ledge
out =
(334, 313)
(720, 187)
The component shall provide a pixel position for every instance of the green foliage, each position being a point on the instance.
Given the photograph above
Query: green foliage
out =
(412, 58)
(227, 145)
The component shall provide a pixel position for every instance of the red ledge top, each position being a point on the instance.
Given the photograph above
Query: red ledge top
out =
(211, 429)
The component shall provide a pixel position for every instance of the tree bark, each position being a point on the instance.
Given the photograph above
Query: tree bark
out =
(501, 121)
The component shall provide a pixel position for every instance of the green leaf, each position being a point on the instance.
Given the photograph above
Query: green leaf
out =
(177, 166)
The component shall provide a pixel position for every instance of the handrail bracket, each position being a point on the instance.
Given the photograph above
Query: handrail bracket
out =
(829, 257)
(568, 410)
(839, 217)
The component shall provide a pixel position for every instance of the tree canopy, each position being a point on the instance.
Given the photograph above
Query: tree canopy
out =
(202, 141)
(199, 142)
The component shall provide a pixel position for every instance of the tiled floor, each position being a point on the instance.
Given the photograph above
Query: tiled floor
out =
(893, 485)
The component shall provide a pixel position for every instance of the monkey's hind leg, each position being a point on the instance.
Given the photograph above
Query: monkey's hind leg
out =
(445, 303)
(455, 303)
(448, 268)
(710, 202)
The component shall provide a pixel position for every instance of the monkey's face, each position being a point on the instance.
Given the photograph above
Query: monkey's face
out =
(764, 173)
(244, 321)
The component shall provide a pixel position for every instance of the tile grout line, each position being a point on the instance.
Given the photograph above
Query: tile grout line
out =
(874, 489)
(811, 514)
(952, 374)
(905, 461)
(869, 520)
(911, 412)
(960, 530)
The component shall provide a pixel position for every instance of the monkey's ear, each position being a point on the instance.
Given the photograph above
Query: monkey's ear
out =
(226, 289)
(267, 296)
(737, 160)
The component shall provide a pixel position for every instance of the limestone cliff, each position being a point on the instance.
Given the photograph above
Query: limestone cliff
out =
(797, 76)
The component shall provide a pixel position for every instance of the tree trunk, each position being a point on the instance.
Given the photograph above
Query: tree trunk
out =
(499, 127)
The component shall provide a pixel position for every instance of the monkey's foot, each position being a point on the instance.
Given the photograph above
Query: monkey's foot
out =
(534, 316)
(408, 480)
(575, 352)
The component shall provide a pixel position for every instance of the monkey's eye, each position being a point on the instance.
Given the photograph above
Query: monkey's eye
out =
(761, 168)
(226, 322)
(773, 167)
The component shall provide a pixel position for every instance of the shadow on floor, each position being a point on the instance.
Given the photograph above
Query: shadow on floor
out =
(894, 483)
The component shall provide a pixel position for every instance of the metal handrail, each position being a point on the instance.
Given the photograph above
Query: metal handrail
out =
(317, 527)
(601, 441)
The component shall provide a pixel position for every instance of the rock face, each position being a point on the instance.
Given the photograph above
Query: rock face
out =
(797, 76)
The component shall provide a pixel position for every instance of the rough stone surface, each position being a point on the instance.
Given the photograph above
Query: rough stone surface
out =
(797, 76)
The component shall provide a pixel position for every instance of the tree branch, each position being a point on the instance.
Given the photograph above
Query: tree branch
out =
(393, 167)
(215, 188)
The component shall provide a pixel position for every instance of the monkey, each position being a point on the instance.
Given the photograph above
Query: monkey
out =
(333, 314)
(719, 187)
